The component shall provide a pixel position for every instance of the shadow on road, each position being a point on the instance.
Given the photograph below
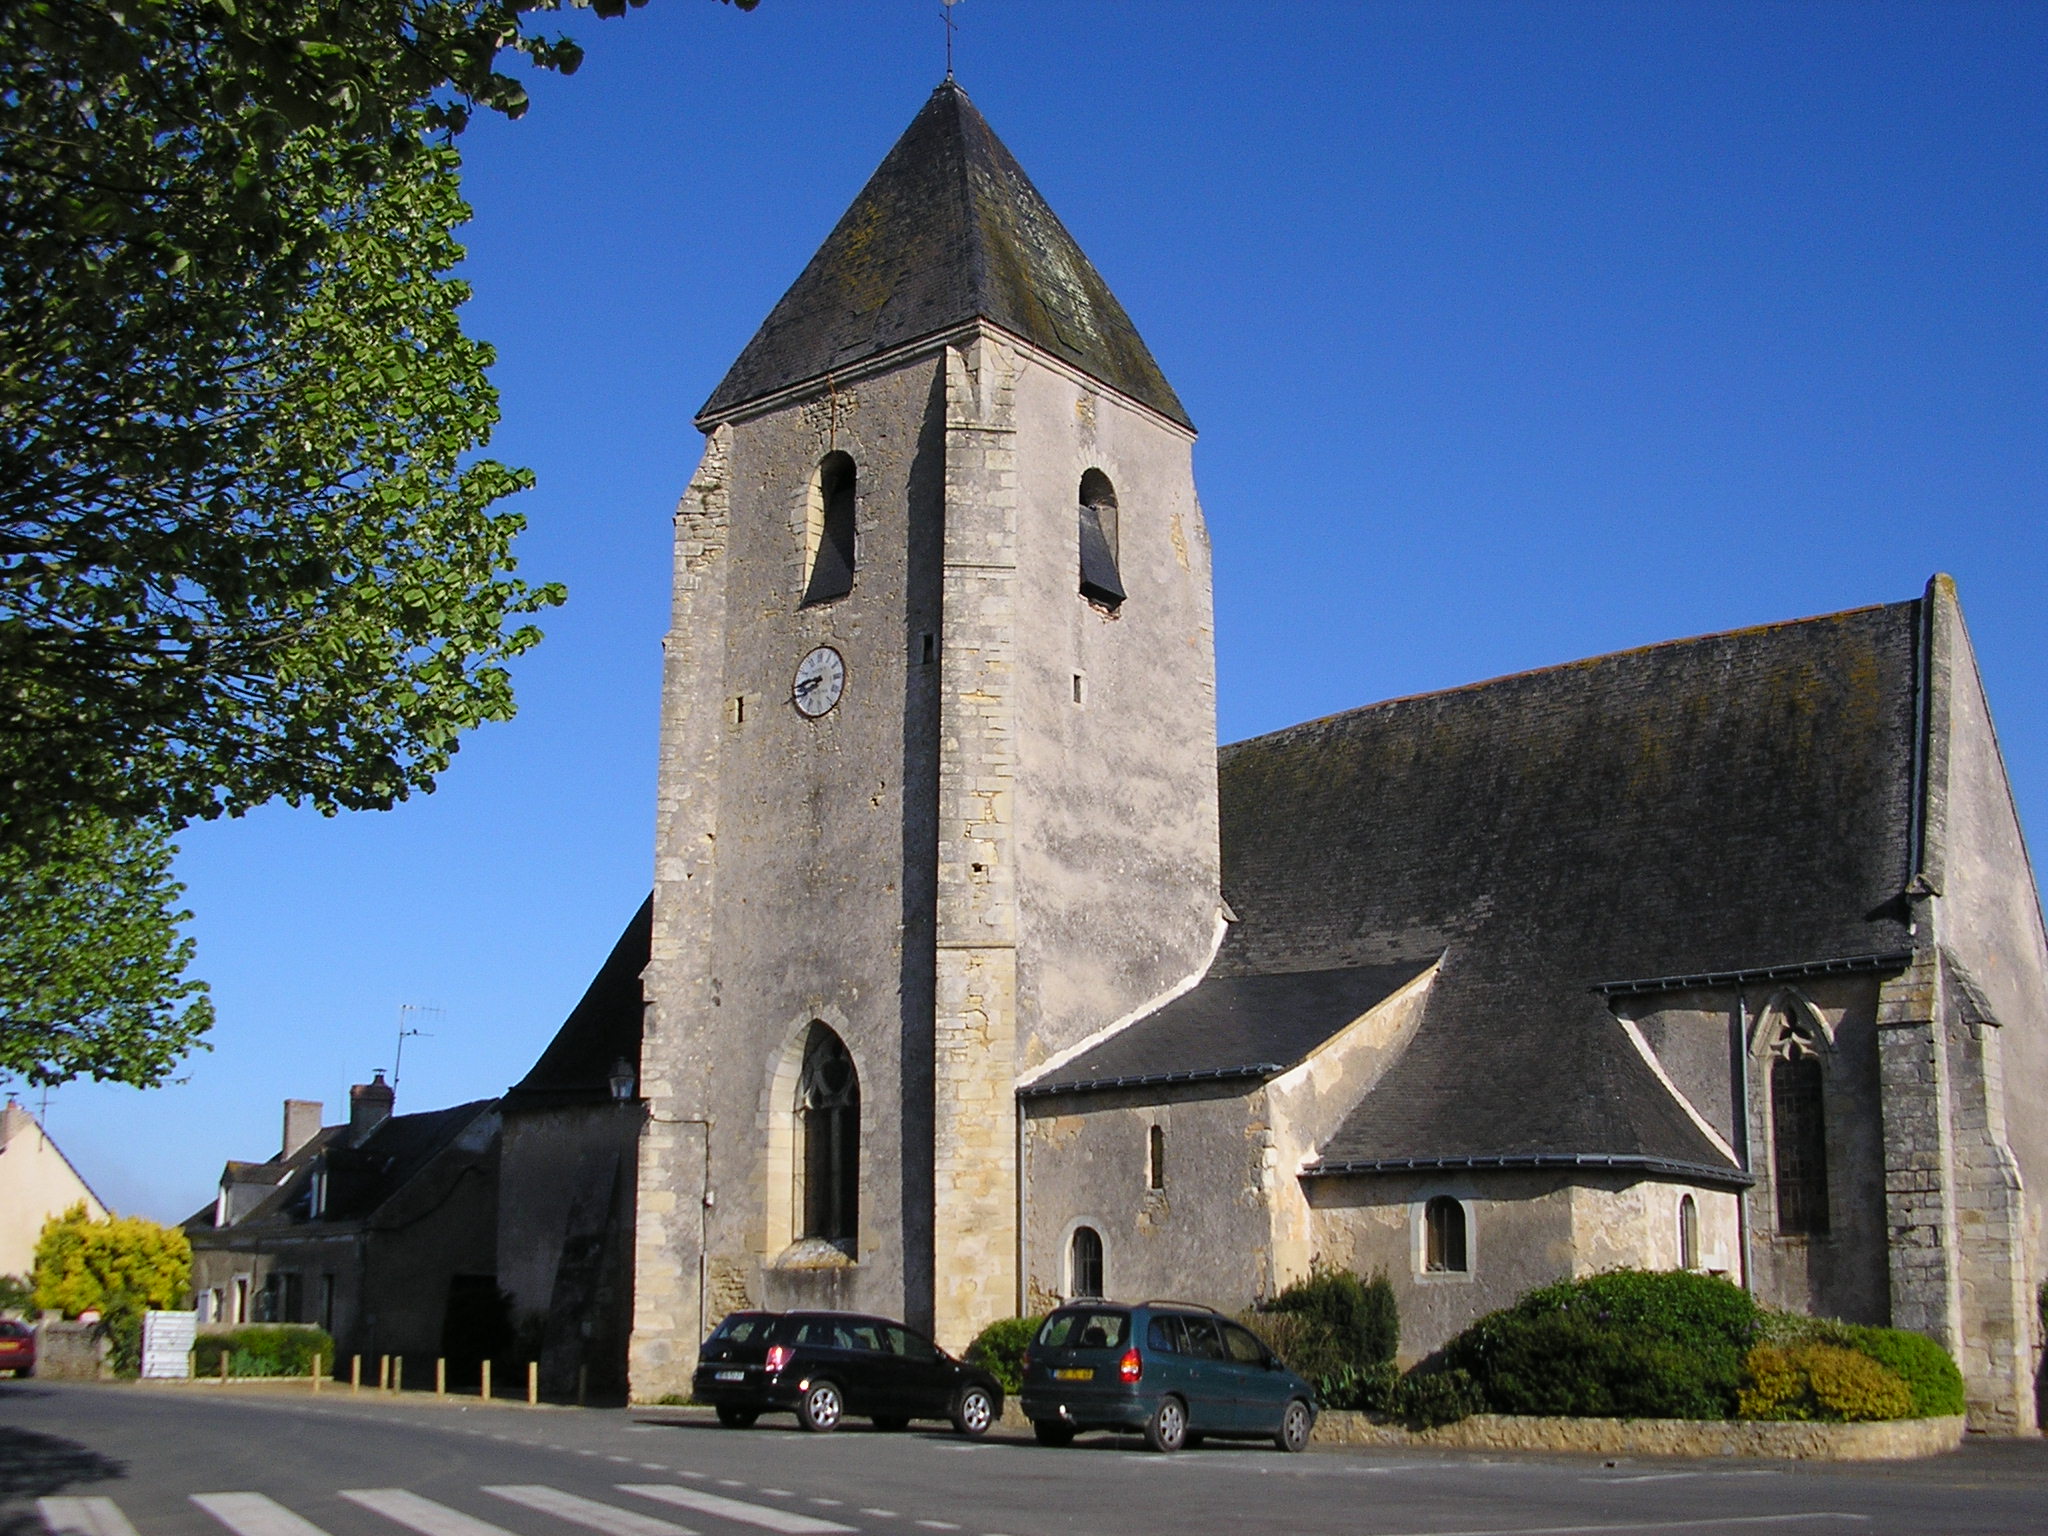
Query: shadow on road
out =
(32, 1465)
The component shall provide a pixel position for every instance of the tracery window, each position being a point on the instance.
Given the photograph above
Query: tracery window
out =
(831, 533)
(1084, 1263)
(1443, 1228)
(828, 1126)
(1100, 579)
(1799, 1140)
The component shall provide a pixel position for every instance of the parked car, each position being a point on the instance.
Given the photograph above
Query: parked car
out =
(17, 1348)
(825, 1366)
(1172, 1370)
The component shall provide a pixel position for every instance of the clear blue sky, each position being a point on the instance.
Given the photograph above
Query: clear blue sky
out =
(1515, 332)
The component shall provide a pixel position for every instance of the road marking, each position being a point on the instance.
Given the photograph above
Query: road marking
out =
(422, 1515)
(251, 1514)
(608, 1518)
(830, 1503)
(880, 1514)
(1647, 1525)
(786, 1521)
(84, 1517)
(1646, 1477)
(939, 1525)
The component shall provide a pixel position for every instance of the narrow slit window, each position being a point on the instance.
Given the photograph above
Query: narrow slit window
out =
(1688, 1232)
(1100, 579)
(1799, 1139)
(1444, 1248)
(831, 532)
(1084, 1263)
(1155, 1158)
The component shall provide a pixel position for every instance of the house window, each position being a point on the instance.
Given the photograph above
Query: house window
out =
(1688, 1232)
(828, 1128)
(1084, 1263)
(1799, 1146)
(1443, 1229)
(241, 1308)
(1100, 581)
(830, 531)
(1156, 1159)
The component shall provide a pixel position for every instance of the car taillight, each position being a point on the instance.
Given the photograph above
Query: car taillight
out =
(1131, 1367)
(778, 1357)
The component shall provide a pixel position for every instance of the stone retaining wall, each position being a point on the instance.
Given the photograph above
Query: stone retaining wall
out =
(1895, 1440)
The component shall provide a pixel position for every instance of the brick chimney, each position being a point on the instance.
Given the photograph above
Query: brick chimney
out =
(301, 1124)
(369, 1106)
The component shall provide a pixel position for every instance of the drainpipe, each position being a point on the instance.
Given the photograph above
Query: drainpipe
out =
(1738, 1052)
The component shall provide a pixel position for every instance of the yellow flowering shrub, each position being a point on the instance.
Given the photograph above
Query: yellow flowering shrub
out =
(1820, 1382)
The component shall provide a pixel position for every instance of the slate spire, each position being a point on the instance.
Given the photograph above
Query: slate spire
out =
(947, 230)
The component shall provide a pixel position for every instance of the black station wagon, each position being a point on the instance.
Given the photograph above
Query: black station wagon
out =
(1175, 1371)
(824, 1366)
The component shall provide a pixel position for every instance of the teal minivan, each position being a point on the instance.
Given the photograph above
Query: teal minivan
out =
(1172, 1370)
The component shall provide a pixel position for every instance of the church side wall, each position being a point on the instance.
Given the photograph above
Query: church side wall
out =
(1204, 1236)
(1116, 841)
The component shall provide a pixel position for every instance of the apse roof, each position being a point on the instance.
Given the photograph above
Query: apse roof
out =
(947, 230)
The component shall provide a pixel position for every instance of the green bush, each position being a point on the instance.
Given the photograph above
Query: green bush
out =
(1824, 1382)
(1337, 1332)
(16, 1295)
(1625, 1344)
(264, 1349)
(999, 1349)
(1423, 1399)
(1923, 1365)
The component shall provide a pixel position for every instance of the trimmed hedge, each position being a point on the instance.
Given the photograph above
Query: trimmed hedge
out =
(264, 1349)
(999, 1350)
(1337, 1332)
(1923, 1365)
(1626, 1344)
(1822, 1382)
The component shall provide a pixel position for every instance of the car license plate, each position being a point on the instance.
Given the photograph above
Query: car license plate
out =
(1087, 1374)
(731, 1376)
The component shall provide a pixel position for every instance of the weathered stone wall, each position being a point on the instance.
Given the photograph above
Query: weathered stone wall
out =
(1896, 1440)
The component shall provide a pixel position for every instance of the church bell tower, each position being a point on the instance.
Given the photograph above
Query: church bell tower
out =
(937, 793)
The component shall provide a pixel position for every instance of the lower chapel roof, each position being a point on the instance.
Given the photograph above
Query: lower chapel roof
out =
(1719, 805)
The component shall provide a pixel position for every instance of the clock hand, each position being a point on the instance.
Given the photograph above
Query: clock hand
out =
(806, 685)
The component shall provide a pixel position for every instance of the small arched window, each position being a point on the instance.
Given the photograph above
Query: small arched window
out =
(1444, 1248)
(1155, 1162)
(1084, 1263)
(1100, 581)
(828, 1126)
(1799, 1136)
(829, 530)
(1688, 1232)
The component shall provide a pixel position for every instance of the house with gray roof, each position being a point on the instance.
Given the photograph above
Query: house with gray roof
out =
(979, 977)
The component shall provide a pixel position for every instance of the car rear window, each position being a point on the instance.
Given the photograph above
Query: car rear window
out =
(741, 1327)
(1089, 1328)
(11, 1330)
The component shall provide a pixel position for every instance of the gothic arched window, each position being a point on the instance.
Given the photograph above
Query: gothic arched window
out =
(828, 1129)
(1084, 1263)
(1100, 581)
(1688, 1232)
(1799, 1138)
(1443, 1227)
(830, 530)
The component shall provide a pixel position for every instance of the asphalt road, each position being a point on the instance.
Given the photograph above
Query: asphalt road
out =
(209, 1461)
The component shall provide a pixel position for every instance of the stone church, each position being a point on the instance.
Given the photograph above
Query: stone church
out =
(979, 976)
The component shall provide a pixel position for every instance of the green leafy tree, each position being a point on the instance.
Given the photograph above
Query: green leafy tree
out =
(16, 1294)
(247, 548)
(92, 962)
(115, 1264)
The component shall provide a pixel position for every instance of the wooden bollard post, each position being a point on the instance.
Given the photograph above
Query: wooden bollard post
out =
(398, 1373)
(485, 1394)
(223, 1362)
(532, 1383)
(383, 1373)
(318, 1362)
(191, 1365)
(440, 1376)
(355, 1373)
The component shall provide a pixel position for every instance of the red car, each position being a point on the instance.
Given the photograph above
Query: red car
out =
(17, 1348)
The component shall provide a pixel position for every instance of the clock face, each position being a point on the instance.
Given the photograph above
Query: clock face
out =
(820, 679)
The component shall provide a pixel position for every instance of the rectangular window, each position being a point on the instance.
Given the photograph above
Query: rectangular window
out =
(1156, 1158)
(1090, 1329)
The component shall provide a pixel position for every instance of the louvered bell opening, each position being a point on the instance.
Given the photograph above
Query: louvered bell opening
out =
(1099, 580)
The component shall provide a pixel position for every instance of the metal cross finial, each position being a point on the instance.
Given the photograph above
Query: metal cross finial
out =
(946, 14)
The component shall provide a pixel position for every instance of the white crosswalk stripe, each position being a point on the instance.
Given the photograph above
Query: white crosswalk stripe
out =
(422, 1515)
(608, 1518)
(787, 1521)
(251, 1514)
(83, 1517)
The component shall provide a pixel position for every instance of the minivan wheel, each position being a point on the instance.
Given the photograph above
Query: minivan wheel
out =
(821, 1408)
(973, 1411)
(1052, 1432)
(1295, 1425)
(736, 1418)
(1167, 1429)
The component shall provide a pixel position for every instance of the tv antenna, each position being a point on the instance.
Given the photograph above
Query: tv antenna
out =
(407, 1012)
(946, 15)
